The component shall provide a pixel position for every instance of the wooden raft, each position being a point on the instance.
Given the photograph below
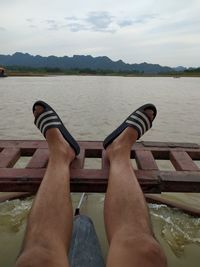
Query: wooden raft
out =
(184, 178)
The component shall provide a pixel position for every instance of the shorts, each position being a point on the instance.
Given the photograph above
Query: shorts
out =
(85, 249)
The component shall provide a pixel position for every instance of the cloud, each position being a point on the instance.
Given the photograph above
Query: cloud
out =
(50, 24)
(53, 25)
(137, 20)
(145, 18)
(125, 22)
(2, 29)
(72, 18)
(30, 20)
(76, 27)
(100, 21)
(50, 21)
(76, 24)
(33, 26)
(94, 21)
(32, 23)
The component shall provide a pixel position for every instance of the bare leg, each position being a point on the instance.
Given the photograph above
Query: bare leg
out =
(126, 215)
(49, 228)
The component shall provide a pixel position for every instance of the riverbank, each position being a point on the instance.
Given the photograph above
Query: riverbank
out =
(39, 74)
(42, 72)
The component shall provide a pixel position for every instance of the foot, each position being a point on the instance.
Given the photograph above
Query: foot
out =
(57, 144)
(123, 143)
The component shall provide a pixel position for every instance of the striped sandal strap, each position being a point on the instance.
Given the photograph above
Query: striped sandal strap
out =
(47, 119)
(140, 122)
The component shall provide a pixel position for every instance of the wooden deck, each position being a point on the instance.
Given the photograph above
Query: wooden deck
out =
(184, 178)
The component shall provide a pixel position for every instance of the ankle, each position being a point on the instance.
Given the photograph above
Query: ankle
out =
(122, 145)
(58, 146)
(61, 154)
(118, 150)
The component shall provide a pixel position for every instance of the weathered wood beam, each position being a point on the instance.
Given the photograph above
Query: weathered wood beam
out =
(182, 161)
(145, 160)
(180, 181)
(9, 156)
(28, 180)
(39, 159)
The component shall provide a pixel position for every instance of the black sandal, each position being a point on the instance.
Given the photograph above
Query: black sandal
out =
(49, 119)
(139, 120)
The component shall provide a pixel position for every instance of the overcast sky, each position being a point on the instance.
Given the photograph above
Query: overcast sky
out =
(153, 31)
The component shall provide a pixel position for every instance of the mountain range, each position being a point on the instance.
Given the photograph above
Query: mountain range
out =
(81, 62)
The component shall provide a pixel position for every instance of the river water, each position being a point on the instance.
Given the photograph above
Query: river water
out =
(92, 107)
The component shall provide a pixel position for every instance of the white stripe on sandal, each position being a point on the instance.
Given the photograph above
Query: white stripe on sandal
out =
(41, 116)
(145, 117)
(136, 124)
(47, 119)
(141, 121)
(50, 124)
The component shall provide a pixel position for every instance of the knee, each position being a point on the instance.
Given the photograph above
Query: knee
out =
(146, 248)
(153, 252)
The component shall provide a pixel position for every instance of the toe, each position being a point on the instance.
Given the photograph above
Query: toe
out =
(38, 110)
(150, 114)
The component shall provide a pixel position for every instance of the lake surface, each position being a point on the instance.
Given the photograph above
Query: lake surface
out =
(92, 107)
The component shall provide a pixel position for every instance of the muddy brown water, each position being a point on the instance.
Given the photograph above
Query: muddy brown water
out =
(91, 107)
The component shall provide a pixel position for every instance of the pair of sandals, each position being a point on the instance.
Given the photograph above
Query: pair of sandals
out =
(139, 120)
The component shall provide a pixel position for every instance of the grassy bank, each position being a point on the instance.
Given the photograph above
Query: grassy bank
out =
(24, 71)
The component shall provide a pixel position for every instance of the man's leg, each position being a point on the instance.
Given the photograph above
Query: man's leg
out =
(49, 227)
(126, 215)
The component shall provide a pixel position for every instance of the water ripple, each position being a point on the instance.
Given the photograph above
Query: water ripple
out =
(178, 229)
(13, 214)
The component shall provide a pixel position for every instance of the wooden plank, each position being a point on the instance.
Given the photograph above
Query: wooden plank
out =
(28, 180)
(182, 161)
(105, 162)
(161, 150)
(180, 176)
(91, 145)
(23, 144)
(9, 156)
(39, 159)
(98, 144)
(171, 145)
(12, 175)
(20, 180)
(13, 196)
(195, 155)
(180, 181)
(163, 153)
(37, 174)
(186, 208)
(145, 160)
(156, 147)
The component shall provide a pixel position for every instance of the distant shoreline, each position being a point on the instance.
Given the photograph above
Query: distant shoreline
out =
(17, 71)
(39, 74)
